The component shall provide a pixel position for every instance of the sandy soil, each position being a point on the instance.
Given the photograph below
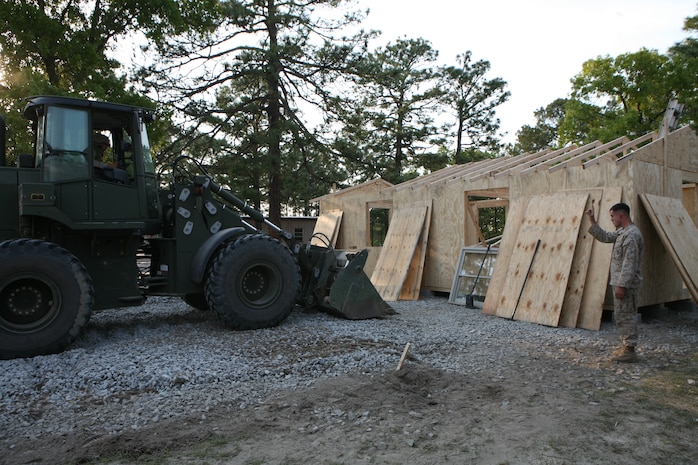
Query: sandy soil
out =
(574, 408)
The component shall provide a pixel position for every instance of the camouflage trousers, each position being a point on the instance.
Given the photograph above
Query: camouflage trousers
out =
(625, 314)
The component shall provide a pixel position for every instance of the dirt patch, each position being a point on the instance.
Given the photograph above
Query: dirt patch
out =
(421, 415)
(522, 395)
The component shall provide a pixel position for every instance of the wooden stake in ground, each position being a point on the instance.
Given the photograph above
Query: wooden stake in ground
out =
(404, 356)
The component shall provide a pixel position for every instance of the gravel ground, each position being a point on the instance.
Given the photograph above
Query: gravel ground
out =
(147, 368)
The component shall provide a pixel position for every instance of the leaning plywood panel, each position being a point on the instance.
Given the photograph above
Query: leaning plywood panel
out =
(592, 286)
(327, 228)
(678, 234)
(540, 265)
(445, 235)
(398, 251)
(578, 271)
(498, 281)
(413, 281)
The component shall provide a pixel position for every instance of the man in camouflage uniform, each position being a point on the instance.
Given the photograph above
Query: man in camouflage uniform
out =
(626, 274)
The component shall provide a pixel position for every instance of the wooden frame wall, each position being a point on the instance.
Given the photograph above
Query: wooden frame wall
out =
(660, 166)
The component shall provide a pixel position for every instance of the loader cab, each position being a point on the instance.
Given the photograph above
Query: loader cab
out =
(96, 158)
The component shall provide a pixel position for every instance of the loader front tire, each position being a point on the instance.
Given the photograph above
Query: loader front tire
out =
(253, 282)
(46, 298)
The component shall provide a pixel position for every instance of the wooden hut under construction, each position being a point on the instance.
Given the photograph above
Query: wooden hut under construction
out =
(546, 268)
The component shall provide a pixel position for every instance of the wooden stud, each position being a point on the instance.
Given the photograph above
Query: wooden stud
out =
(405, 352)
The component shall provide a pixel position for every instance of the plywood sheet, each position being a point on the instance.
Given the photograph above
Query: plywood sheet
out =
(504, 252)
(589, 273)
(596, 282)
(539, 269)
(413, 281)
(445, 235)
(327, 228)
(398, 251)
(678, 234)
(580, 265)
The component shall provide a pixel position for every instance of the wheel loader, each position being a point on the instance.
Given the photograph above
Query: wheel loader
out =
(86, 223)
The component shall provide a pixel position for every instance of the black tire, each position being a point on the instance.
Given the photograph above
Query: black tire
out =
(46, 298)
(198, 301)
(253, 282)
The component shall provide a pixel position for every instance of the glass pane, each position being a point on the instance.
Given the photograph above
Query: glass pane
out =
(473, 262)
(379, 222)
(147, 156)
(67, 144)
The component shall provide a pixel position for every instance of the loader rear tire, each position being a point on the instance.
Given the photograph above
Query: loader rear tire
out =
(253, 282)
(46, 298)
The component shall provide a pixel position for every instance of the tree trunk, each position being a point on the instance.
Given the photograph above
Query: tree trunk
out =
(275, 117)
(459, 139)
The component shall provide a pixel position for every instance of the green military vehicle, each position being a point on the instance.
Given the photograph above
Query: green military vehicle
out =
(86, 224)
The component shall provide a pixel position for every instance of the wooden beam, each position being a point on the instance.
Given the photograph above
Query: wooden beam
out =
(497, 192)
(588, 155)
(476, 170)
(578, 158)
(624, 149)
(525, 162)
(473, 217)
(489, 203)
(652, 136)
(561, 157)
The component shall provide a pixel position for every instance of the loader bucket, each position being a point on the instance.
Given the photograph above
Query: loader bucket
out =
(352, 294)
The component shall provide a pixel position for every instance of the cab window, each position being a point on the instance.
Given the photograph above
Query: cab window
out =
(66, 144)
(112, 148)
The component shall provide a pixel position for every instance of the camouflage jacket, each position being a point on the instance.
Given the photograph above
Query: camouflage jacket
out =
(626, 261)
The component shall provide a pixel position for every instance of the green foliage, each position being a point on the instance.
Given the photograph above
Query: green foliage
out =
(689, 46)
(491, 221)
(390, 124)
(685, 54)
(379, 221)
(63, 47)
(435, 160)
(272, 60)
(626, 95)
(56, 47)
(622, 96)
(532, 139)
(390, 129)
(472, 154)
(473, 99)
(241, 78)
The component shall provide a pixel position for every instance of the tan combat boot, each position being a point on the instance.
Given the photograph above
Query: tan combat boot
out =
(628, 355)
(618, 351)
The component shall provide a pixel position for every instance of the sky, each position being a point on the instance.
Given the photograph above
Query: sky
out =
(536, 46)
